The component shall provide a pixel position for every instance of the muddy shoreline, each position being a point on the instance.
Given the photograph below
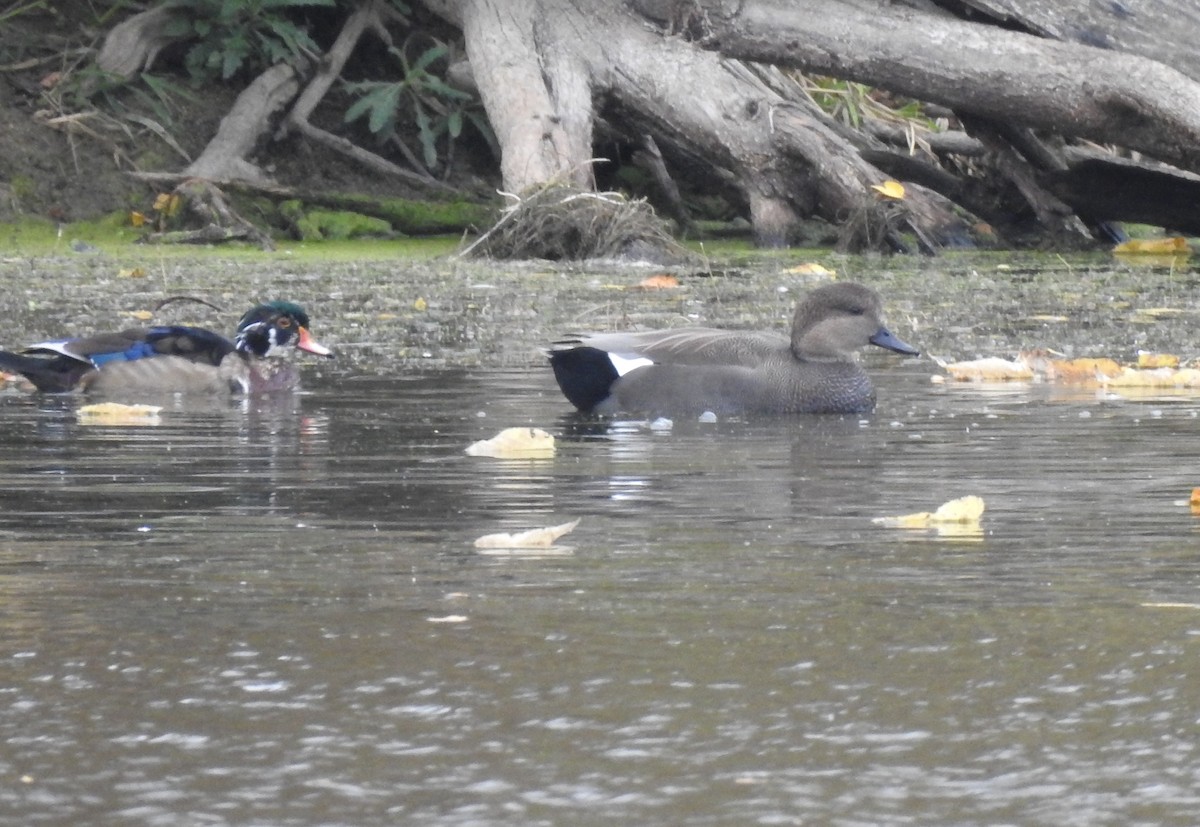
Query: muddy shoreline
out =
(386, 314)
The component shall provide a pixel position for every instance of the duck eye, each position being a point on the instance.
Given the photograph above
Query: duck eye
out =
(284, 322)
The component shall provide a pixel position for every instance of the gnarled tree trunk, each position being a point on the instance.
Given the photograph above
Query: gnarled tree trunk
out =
(1026, 78)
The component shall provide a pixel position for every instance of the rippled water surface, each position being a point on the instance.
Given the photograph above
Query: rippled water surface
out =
(276, 615)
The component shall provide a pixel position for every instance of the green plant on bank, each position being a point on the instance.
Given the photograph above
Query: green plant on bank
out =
(151, 101)
(851, 103)
(231, 36)
(438, 110)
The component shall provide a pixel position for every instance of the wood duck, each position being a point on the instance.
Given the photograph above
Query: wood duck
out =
(698, 369)
(174, 358)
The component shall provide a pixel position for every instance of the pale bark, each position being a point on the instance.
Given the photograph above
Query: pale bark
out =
(132, 45)
(1069, 88)
(544, 128)
(226, 155)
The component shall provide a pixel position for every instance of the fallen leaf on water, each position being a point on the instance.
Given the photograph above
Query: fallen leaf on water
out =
(964, 510)
(420, 305)
(1195, 501)
(131, 273)
(1160, 312)
(141, 315)
(1154, 246)
(661, 281)
(115, 413)
(1044, 364)
(515, 443)
(534, 538)
(890, 189)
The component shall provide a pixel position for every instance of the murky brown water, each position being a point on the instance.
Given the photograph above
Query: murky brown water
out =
(276, 616)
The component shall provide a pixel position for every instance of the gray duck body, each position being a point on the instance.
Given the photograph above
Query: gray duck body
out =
(692, 370)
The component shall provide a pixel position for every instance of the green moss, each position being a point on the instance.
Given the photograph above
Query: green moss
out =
(427, 217)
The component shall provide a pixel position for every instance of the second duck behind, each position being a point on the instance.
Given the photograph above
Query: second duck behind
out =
(697, 369)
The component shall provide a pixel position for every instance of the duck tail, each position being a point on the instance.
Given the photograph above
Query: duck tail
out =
(49, 375)
(584, 374)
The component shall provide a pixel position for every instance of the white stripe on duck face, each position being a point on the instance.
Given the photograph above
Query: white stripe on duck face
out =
(625, 364)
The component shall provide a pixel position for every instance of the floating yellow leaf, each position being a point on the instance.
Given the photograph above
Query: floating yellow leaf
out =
(890, 189)
(660, 281)
(132, 273)
(420, 305)
(136, 218)
(1195, 501)
(1157, 360)
(1160, 312)
(515, 443)
(534, 538)
(115, 413)
(962, 511)
(1174, 245)
(810, 268)
(141, 315)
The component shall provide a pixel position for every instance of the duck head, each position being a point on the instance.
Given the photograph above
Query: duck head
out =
(269, 329)
(835, 320)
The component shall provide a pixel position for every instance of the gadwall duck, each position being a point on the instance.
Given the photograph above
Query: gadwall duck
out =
(697, 369)
(174, 358)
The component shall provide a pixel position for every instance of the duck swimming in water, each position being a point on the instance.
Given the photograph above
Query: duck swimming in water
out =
(698, 369)
(174, 358)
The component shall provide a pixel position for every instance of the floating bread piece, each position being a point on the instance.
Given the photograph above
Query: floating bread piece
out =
(1076, 371)
(515, 443)
(990, 369)
(1155, 378)
(1157, 360)
(534, 538)
(964, 510)
(116, 413)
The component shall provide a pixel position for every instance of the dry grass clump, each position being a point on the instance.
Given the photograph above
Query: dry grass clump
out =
(565, 223)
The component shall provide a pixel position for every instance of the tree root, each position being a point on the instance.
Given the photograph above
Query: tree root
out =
(205, 204)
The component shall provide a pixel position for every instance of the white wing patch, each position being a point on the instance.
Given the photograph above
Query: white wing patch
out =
(625, 364)
(57, 347)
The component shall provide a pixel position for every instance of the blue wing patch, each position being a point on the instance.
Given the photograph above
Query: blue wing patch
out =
(138, 350)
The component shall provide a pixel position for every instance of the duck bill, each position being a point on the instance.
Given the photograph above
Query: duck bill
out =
(884, 338)
(310, 345)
